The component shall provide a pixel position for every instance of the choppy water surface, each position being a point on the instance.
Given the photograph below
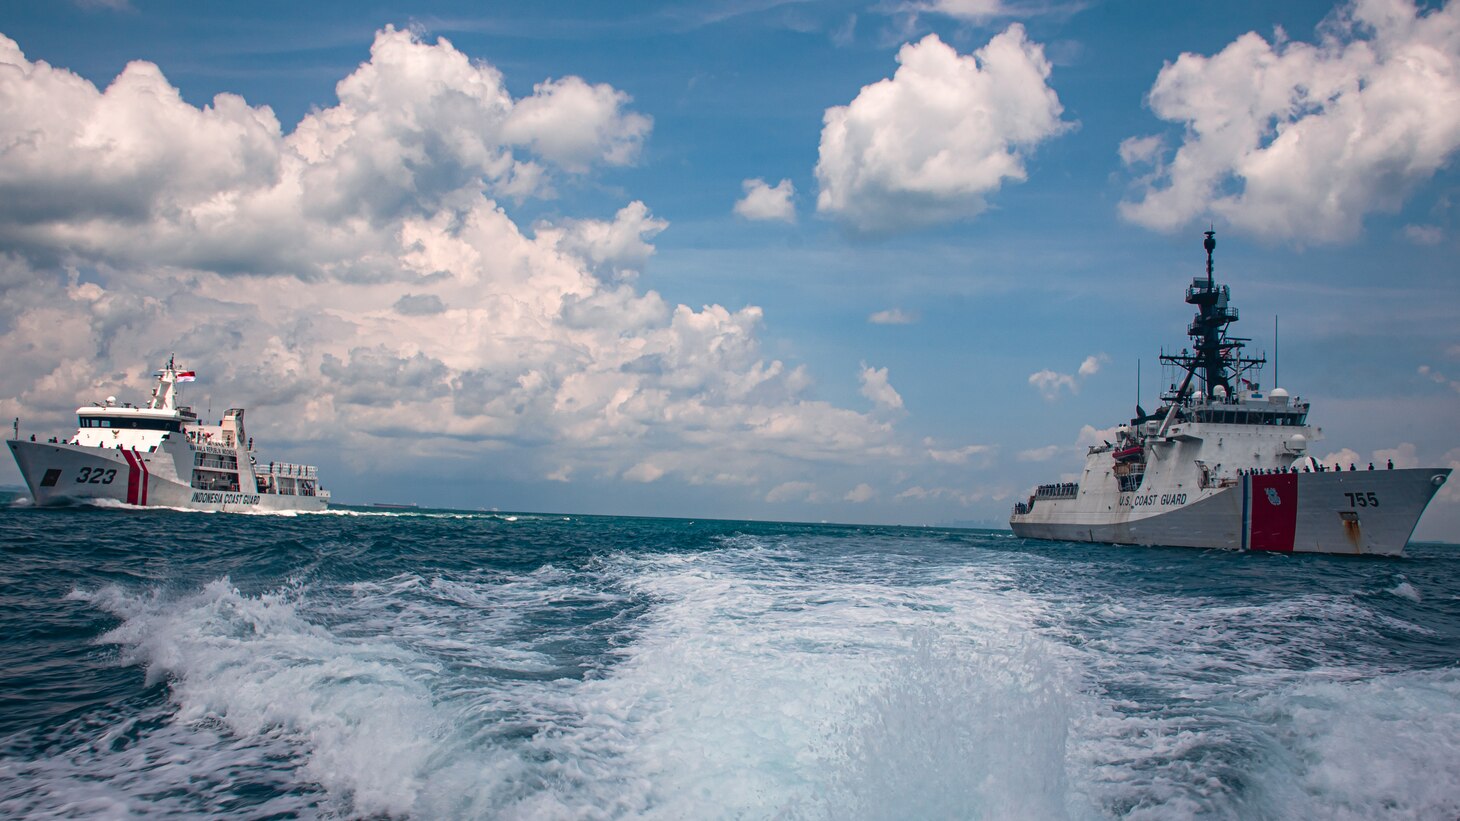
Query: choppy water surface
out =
(495, 666)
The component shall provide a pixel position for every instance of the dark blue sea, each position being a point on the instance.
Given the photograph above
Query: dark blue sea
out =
(441, 665)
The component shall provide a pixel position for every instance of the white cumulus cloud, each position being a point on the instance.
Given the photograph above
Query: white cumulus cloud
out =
(762, 202)
(617, 248)
(1051, 384)
(876, 388)
(1295, 140)
(136, 174)
(1092, 363)
(930, 144)
(1343, 459)
(1405, 455)
(356, 281)
(575, 124)
(1090, 436)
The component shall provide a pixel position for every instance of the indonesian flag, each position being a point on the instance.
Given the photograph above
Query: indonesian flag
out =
(186, 376)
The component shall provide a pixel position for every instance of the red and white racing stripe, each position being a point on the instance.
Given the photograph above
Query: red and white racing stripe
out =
(137, 476)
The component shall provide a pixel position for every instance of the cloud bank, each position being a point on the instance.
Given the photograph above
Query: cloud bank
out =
(360, 281)
(1301, 141)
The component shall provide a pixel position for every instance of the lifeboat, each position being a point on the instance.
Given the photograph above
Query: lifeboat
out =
(1129, 453)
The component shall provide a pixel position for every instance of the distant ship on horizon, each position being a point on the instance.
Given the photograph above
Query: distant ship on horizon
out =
(1222, 464)
(161, 455)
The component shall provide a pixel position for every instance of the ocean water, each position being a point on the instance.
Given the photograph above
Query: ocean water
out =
(444, 665)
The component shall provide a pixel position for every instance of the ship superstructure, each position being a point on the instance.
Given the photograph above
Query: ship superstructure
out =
(1221, 463)
(161, 455)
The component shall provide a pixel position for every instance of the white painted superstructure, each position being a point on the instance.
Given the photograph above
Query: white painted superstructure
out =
(161, 455)
(1223, 464)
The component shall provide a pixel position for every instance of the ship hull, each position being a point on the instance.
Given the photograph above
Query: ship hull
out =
(64, 474)
(1354, 512)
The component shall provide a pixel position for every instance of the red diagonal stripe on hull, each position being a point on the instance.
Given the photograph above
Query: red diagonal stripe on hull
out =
(146, 477)
(132, 476)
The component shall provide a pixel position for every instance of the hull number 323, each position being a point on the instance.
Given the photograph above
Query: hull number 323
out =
(96, 476)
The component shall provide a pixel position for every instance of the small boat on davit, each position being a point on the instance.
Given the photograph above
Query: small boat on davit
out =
(1222, 464)
(161, 455)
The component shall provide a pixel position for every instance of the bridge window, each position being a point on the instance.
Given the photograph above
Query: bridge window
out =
(129, 423)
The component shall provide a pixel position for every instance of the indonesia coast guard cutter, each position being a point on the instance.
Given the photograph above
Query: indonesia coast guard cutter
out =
(161, 455)
(1222, 464)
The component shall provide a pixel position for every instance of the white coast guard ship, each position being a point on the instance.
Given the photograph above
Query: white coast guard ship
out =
(160, 455)
(1222, 464)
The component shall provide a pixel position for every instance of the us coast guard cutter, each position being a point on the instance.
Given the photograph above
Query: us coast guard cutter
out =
(1221, 464)
(162, 456)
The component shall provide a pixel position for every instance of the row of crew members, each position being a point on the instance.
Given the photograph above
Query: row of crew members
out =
(1306, 469)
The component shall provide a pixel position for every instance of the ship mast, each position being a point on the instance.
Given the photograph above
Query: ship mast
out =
(1216, 359)
(164, 396)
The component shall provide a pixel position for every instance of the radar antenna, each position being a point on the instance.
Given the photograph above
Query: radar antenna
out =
(1215, 359)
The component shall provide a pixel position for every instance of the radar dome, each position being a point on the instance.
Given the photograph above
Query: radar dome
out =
(1219, 392)
(1297, 443)
(111, 400)
(1277, 396)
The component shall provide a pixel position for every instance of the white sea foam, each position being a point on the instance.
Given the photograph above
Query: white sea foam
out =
(1405, 589)
(750, 687)
(771, 679)
(257, 667)
(765, 690)
(1385, 747)
(143, 766)
(1193, 689)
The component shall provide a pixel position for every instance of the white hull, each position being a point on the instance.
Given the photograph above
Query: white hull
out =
(160, 455)
(1315, 513)
(1220, 464)
(63, 474)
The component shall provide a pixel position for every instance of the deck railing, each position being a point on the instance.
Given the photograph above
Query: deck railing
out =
(286, 469)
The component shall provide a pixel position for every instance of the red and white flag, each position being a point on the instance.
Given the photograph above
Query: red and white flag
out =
(186, 376)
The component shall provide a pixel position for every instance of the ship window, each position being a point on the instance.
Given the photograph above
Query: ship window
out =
(133, 423)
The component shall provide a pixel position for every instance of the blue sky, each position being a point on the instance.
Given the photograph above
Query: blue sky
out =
(447, 262)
